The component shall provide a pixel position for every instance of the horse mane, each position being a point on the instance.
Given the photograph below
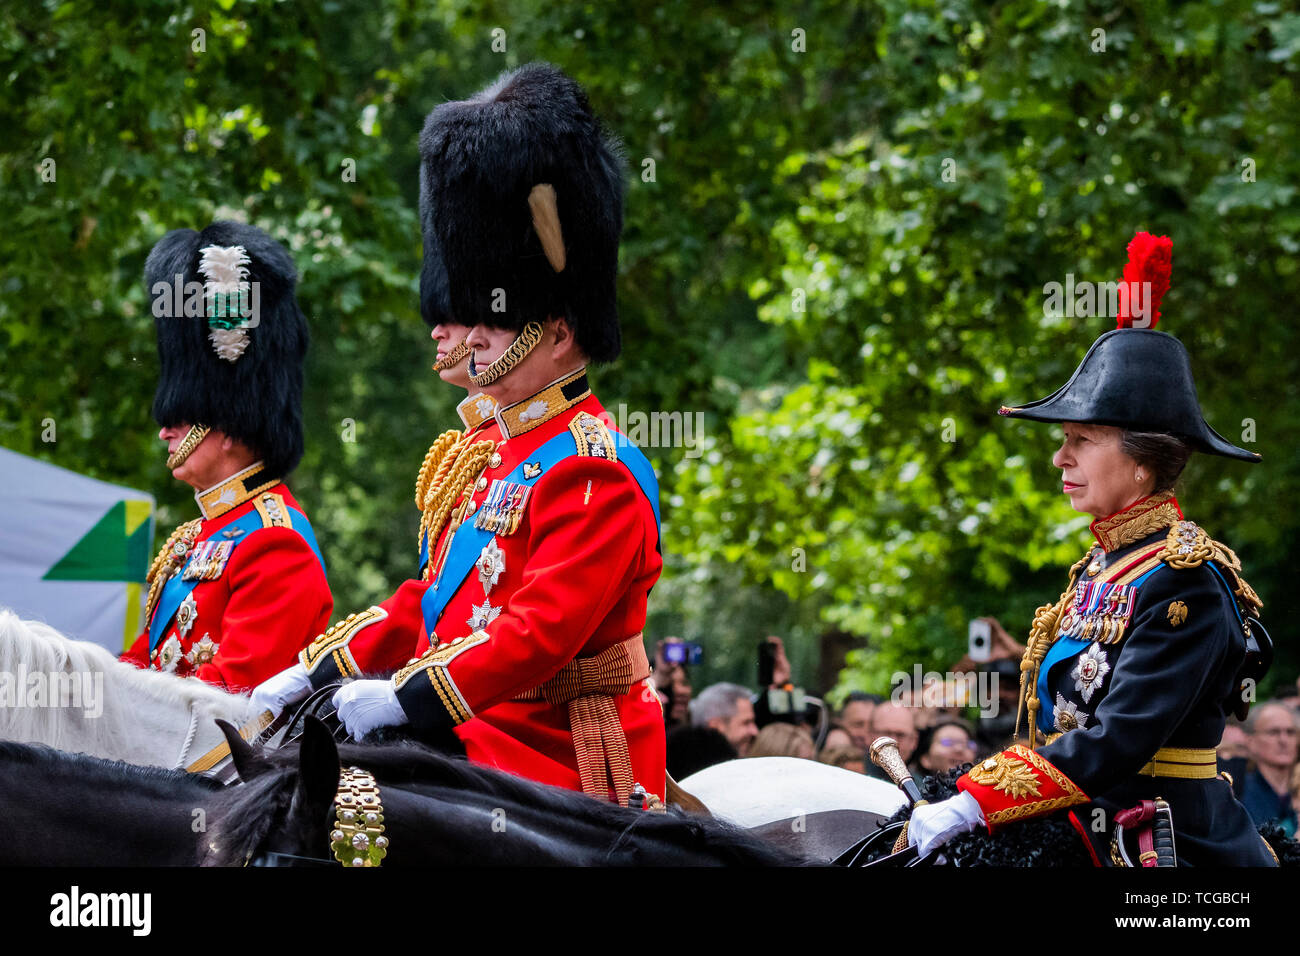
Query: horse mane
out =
(248, 812)
(35, 647)
(45, 761)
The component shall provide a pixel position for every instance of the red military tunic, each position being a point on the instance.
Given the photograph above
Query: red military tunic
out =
(252, 609)
(565, 577)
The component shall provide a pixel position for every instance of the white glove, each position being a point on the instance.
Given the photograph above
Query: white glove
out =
(364, 705)
(287, 687)
(936, 823)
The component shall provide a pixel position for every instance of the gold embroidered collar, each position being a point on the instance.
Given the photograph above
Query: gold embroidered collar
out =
(1139, 520)
(234, 491)
(562, 394)
(475, 409)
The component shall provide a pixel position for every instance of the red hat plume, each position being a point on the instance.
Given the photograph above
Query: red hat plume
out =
(1150, 259)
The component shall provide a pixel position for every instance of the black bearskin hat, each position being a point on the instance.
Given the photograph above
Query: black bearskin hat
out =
(1134, 377)
(481, 160)
(246, 382)
(435, 303)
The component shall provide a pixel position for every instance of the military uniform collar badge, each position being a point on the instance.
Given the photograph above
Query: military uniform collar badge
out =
(234, 491)
(562, 394)
(476, 409)
(1139, 520)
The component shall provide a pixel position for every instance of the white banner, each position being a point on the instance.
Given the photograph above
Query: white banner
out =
(73, 550)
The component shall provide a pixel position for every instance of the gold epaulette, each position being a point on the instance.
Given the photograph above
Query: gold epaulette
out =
(592, 437)
(272, 509)
(1188, 546)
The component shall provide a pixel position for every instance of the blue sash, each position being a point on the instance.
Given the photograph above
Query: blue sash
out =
(469, 541)
(1064, 648)
(176, 589)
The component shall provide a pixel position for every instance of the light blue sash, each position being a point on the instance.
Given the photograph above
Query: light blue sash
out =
(176, 589)
(469, 541)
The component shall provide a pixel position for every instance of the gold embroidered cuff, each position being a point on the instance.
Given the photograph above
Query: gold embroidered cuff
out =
(329, 652)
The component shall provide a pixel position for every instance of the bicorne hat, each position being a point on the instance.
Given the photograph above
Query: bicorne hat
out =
(1136, 378)
(231, 338)
(521, 192)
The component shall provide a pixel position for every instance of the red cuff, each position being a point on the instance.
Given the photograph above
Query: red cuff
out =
(1018, 784)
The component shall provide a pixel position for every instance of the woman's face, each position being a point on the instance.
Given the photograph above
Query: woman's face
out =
(950, 747)
(1097, 475)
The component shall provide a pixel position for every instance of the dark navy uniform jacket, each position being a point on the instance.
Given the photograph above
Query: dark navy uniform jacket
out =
(1146, 656)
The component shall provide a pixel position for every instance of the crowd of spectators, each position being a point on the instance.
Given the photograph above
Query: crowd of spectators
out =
(937, 728)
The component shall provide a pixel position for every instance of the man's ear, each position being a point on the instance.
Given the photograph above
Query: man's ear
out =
(565, 345)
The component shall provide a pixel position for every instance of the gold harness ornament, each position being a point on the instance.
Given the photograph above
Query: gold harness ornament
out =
(358, 835)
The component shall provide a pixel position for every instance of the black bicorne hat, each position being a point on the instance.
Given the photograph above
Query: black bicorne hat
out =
(1136, 378)
(523, 159)
(236, 373)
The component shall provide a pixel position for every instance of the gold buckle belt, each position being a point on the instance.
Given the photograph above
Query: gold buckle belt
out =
(1184, 763)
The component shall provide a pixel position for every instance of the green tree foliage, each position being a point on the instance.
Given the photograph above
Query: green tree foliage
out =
(804, 267)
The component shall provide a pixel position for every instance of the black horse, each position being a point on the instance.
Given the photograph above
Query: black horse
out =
(442, 811)
(1046, 841)
(62, 809)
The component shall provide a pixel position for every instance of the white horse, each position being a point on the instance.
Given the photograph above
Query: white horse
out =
(76, 696)
(803, 806)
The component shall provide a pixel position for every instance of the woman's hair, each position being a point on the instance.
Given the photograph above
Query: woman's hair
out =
(926, 740)
(783, 740)
(1165, 456)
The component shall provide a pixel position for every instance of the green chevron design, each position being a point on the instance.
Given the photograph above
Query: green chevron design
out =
(115, 549)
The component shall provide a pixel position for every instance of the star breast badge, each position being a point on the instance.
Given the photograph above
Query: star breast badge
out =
(482, 615)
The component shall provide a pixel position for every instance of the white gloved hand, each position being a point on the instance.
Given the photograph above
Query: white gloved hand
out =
(936, 823)
(287, 687)
(364, 705)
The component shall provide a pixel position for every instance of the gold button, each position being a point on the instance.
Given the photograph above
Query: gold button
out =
(495, 460)
(473, 506)
(482, 483)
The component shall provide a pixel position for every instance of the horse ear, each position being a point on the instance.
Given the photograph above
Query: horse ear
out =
(318, 770)
(248, 762)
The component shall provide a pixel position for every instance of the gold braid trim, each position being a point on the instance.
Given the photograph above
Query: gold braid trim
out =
(1047, 620)
(469, 462)
(436, 460)
(169, 560)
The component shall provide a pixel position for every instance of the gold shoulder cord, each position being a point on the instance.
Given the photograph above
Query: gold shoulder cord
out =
(455, 471)
(1047, 619)
(436, 462)
(168, 562)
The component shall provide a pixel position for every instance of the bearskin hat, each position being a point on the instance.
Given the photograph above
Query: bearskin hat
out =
(244, 381)
(481, 162)
(435, 303)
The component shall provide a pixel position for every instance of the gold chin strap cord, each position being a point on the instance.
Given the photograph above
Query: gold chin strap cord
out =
(191, 441)
(452, 358)
(524, 343)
